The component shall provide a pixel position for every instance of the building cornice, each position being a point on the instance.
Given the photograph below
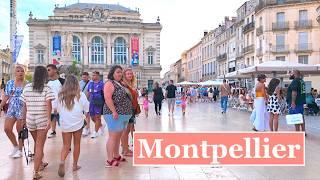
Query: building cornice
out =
(80, 23)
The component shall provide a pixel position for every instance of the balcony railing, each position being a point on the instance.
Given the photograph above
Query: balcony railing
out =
(280, 26)
(249, 27)
(222, 57)
(264, 4)
(259, 52)
(303, 48)
(259, 31)
(248, 49)
(280, 49)
(304, 24)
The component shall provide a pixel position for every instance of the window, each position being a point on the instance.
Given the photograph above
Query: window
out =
(120, 51)
(260, 21)
(76, 48)
(303, 59)
(280, 1)
(303, 16)
(303, 41)
(97, 51)
(281, 58)
(280, 17)
(150, 57)
(280, 41)
(40, 56)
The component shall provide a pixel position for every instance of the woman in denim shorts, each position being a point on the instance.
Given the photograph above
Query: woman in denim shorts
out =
(117, 112)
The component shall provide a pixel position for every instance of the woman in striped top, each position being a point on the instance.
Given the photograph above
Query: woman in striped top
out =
(37, 97)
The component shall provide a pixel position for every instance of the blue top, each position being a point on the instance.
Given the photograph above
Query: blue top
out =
(13, 91)
(95, 90)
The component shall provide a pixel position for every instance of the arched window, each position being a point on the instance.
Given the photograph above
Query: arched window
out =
(120, 51)
(97, 51)
(76, 48)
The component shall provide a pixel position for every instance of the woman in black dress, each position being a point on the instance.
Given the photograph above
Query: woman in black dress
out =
(157, 98)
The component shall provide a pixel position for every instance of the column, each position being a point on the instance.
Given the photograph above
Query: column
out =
(128, 57)
(89, 59)
(109, 49)
(49, 49)
(85, 49)
(105, 54)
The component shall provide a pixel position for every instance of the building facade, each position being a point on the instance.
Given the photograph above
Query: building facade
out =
(208, 55)
(288, 31)
(5, 65)
(97, 36)
(194, 63)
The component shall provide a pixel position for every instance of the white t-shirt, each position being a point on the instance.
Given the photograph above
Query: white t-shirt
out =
(55, 88)
(71, 121)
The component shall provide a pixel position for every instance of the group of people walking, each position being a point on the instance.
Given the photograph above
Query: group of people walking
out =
(268, 102)
(48, 100)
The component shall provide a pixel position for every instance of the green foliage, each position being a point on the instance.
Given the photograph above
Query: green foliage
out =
(28, 77)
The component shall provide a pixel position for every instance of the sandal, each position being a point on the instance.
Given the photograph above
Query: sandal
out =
(76, 168)
(120, 159)
(111, 163)
(61, 170)
(36, 176)
(43, 166)
(128, 153)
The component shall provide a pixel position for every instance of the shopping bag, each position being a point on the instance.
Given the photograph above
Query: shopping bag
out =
(294, 119)
(253, 116)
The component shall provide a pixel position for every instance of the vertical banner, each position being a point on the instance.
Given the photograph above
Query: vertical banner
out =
(134, 50)
(56, 47)
(16, 46)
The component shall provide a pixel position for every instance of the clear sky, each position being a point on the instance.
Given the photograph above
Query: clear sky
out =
(183, 21)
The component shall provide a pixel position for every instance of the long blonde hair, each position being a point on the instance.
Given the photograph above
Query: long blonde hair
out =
(69, 91)
(132, 84)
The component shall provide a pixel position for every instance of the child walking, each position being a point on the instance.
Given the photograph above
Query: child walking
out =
(71, 105)
(146, 105)
(183, 103)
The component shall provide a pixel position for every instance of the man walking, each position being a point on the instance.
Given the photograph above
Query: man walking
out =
(96, 98)
(225, 92)
(85, 79)
(171, 96)
(296, 97)
(55, 83)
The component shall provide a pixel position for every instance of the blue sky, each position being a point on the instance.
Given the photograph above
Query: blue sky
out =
(183, 20)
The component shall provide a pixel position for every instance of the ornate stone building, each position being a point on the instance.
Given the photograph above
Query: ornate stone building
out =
(97, 36)
(5, 64)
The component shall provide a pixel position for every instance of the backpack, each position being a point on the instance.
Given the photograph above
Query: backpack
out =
(61, 80)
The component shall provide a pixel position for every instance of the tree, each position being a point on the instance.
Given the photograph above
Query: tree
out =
(28, 77)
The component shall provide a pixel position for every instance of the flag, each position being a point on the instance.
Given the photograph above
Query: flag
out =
(16, 46)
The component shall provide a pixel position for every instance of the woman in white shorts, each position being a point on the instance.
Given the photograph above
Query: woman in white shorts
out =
(72, 106)
(37, 97)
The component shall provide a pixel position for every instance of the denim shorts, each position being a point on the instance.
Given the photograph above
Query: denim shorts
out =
(116, 125)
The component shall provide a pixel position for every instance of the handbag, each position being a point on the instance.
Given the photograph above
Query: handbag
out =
(23, 135)
(253, 116)
(294, 119)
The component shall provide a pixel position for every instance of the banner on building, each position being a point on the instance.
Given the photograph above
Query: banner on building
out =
(56, 49)
(135, 50)
(16, 46)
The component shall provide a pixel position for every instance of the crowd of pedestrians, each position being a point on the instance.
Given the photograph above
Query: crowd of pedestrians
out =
(48, 100)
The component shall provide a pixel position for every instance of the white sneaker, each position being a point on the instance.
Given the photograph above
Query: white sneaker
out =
(85, 132)
(14, 151)
(94, 135)
(101, 130)
(18, 154)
